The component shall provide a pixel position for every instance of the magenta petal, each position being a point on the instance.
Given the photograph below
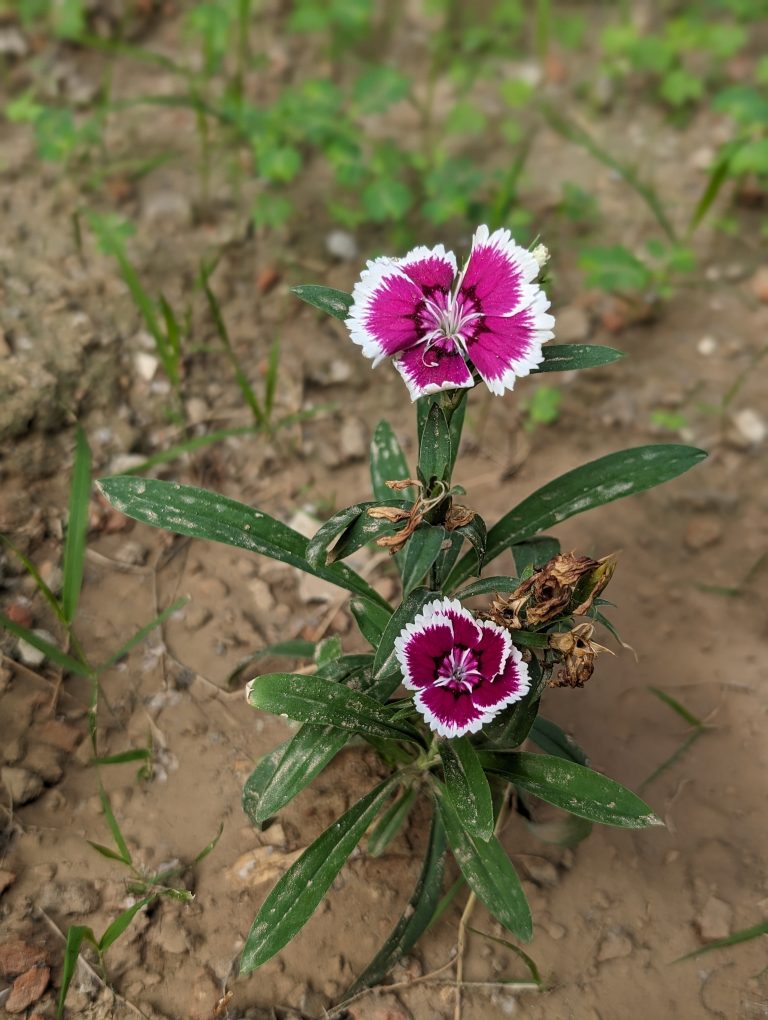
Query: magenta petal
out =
(505, 348)
(431, 269)
(510, 686)
(383, 316)
(430, 369)
(421, 650)
(466, 631)
(450, 713)
(498, 273)
(492, 649)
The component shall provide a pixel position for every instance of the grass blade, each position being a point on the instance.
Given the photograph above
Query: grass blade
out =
(77, 526)
(240, 377)
(141, 634)
(114, 828)
(61, 659)
(34, 573)
(745, 935)
(529, 963)
(76, 935)
(675, 705)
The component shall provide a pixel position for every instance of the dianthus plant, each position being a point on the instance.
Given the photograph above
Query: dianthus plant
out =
(450, 688)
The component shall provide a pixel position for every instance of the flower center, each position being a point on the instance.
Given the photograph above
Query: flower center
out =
(459, 670)
(448, 317)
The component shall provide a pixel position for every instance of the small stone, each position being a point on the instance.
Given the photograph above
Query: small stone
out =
(335, 373)
(555, 931)
(353, 440)
(263, 599)
(7, 878)
(122, 463)
(314, 589)
(260, 865)
(542, 871)
(572, 325)
(267, 279)
(714, 921)
(18, 956)
(58, 734)
(759, 284)
(274, 835)
(702, 531)
(706, 346)
(28, 988)
(22, 785)
(146, 365)
(166, 206)
(342, 245)
(196, 616)
(20, 612)
(30, 655)
(12, 42)
(14, 750)
(69, 899)
(197, 410)
(44, 760)
(132, 553)
(615, 944)
(750, 426)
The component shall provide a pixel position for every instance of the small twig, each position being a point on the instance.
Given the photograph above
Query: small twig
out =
(460, 944)
(395, 987)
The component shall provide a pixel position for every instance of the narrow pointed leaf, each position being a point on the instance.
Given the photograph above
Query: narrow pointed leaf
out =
(745, 935)
(477, 535)
(76, 935)
(297, 894)
(313, 700)
(416, 917)
(448, 556)
(591, 485)
(121, 922)
(349, 529)
(334, 302)
(550, 738)
(422, 550)
(572, 357)
(572, 787)
(187, 510)
(435, 456)
(386, 669)
(287, 770)
(388, 461)
(534, 553)
(488, 871)
(66, 662)
(467, 786)
(489, 586)
(371, 618)
(143, 633)
(530, 964)
(114, 828)
(391, 822)
(77, 527)
(511, 727)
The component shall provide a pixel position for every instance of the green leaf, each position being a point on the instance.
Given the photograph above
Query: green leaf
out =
(448, 556)
(417, 916)
(334, 302)
(572, 787)
(435, 453)
(386, 198)
(267, 789)
(534, 553)
(190, 511)
(292, 649)
(745, 935)
(476, 534)
(378, 87)
(114, 828)
(298, 893)
(124, 757)
(675, 705)
(422, 550)
(312, 700)
(391, 822)
(50, 651)
(467, 787)
(489, 586)
(600, 481)
(551, 739)
(328, 650)
(121, 922)
(388, 461)
(614, 269)
(371, 619)
(488, 871)
(511, 727)
(77, 526)
(76, 935)
(386, 669)
(350, 529)
(530, 964)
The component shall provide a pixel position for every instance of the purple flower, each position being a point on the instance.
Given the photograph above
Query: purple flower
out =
(465, 671)
(434, 322)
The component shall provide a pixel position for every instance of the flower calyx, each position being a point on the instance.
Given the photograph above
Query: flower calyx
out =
(578, 652)
(456, 516)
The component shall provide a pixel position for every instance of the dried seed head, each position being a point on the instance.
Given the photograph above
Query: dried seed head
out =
(578, 653)
(458, 516)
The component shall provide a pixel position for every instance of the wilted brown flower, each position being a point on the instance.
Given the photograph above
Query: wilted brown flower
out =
(578, 651)
(566, 585)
